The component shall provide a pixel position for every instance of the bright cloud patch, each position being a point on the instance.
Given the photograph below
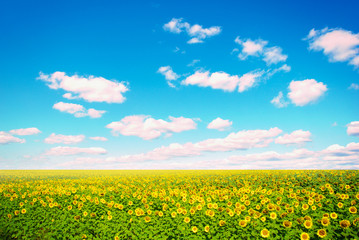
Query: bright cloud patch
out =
(149, 128)
(65, 139)
(64, 151)
(169, 74)
(338, 44)
(103, 139)
(241, 140)
(196, 32)
(257, 48)
(91, 89)
(296, 137)
(222, 80)
(306, 91)
(6, 138)
(219, 124)
(25, 131)
(78, 110)
(279, 101)
(353, 128)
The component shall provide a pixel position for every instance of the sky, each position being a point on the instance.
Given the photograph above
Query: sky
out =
(179, 85)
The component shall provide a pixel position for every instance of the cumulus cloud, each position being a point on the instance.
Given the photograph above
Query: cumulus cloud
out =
(64, 151)
(65, 139)
(78, 110)
(197, 33)
(338, 44)
(91, 89)
(307, 91)
(25, 131)
(219, 124)
(296, 137)
(103, 139)
(223, 81)
(6, 138)
(257, 48)
(279, 101)
(149, 128)
(169, 74)
(353, 128)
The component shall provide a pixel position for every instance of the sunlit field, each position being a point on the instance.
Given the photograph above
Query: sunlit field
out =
(179, 204)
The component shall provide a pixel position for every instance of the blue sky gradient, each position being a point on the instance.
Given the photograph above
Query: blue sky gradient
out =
(126, 41)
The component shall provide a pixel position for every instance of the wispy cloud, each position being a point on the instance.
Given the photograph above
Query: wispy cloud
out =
(353, 128)
(65, 151)
(6, 138)
(169, 74)
(296, 137)
(279, 101)
(103, 139)
(65, 139)
(197, 33)
(78, 110)
(258, 48)
(25, 131)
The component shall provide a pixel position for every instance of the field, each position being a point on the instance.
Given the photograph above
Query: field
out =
(179, 204)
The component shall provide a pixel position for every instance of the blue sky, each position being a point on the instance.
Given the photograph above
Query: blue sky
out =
(179, 85)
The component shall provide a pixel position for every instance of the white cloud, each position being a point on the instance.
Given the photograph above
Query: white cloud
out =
(257, 48)
(306, 91)
(64, 151)
(354, 86)
(219, 124)
(91, 89)
(78, 110)
(103, 139)
(191, 64)
(6, 138)
(353, 128)
(279, 101)
(338, 44)
(149, 128)
(274, 55)
(196, 32)
(169, 74)
(241, 140)
(25, 131)
(65, 139)
(222, 80)
(296, 137)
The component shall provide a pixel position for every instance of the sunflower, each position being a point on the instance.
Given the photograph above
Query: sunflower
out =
(273, 215)
(147, 219)
(69, 207)
(173, 214)
(265, 233)
(194, 229)
(160, 213)
(344, 223)
(206, 228)
(325, 221)
(333, 215)
(304, 236)
(263, 219)
(221, 223)
(242, 223)
(187, 220)
(308, 224)
(322, 233)
(305, 207)
(23, 211)
(117, 238)
(85, 214)
(287, 224)
(109, 217)
(340, 205)
(353, 210)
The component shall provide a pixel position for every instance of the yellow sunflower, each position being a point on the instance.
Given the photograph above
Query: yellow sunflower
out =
(265, 233)
(322, 233)
(304, 236)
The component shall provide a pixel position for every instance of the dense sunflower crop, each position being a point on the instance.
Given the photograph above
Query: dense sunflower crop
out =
(179, 204)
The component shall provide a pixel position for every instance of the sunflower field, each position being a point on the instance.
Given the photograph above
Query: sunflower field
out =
(175, 204)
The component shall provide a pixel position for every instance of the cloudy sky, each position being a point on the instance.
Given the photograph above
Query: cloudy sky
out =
(186, 85)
